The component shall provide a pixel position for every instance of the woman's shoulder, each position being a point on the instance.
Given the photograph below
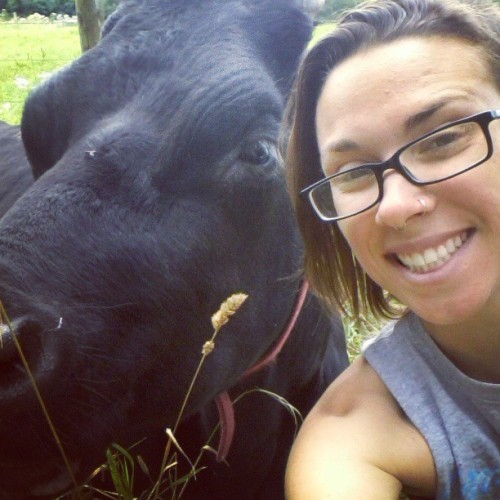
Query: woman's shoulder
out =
(358, 388)
(358, 421)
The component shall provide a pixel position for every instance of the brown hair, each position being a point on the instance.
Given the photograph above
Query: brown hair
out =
(329, 263)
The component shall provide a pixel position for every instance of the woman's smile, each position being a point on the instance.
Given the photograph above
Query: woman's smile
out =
(432, 257)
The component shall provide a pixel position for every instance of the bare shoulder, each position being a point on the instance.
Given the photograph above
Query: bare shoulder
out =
(356, 388)
(358, 443)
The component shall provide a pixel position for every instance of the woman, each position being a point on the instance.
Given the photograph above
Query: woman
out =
(393, 162)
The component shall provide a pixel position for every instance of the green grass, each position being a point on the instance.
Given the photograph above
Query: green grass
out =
(28, 54)
(320, 31)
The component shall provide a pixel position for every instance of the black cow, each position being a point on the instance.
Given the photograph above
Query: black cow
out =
(15, 173)
(159, 193)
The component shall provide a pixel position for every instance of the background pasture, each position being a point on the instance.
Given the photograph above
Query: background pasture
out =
(29, 51)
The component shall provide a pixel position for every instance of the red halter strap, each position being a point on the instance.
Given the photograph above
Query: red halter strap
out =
(223, 401)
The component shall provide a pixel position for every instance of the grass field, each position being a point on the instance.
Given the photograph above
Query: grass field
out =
(321, 30)
(28, 53)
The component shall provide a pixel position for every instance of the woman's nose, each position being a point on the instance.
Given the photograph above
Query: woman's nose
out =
(400, 202)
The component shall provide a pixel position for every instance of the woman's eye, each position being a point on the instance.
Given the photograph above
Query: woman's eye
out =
(442, 140)
(448, 141)
(354, 180)
(343, 167)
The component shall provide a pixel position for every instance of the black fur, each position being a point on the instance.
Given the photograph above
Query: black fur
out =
(15, 172)
(159, 193)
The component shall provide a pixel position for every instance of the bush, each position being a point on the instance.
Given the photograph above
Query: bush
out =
(67, 7)
(43, 7)
(106, 6)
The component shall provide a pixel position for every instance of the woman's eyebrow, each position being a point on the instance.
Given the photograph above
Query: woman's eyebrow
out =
(347, 145)
(419, 118)
(342, 146)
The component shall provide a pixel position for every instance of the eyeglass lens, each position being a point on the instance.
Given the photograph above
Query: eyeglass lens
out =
(431, 159)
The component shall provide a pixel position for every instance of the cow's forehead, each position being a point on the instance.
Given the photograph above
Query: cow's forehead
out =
(272, 32)
(201, 101)
(185, 65)
(212, 52)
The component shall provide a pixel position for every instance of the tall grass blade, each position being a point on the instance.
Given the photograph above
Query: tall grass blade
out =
(121, 467)
(5, 319)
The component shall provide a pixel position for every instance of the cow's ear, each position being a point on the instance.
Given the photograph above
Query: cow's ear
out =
(45, 127)
(281, 37)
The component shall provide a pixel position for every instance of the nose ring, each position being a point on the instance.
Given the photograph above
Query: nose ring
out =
(423, 204)
(401, 227)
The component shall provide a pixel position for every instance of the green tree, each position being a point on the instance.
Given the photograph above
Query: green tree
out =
(44, 7)
(107, 6)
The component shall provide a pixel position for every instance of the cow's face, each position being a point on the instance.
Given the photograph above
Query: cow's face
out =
(159, 194)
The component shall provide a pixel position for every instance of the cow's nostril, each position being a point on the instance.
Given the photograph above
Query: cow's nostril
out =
(20, 336)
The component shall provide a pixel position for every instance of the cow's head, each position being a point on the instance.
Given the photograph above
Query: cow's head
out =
(159, 193)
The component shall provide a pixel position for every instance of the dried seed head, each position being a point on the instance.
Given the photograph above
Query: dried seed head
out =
(227, 309)
(208, 347)
(3, 329)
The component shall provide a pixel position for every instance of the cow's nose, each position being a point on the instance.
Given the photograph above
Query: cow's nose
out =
(21, 349)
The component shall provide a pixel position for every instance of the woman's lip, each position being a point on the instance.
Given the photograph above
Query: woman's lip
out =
(420, 244)
(421, 272)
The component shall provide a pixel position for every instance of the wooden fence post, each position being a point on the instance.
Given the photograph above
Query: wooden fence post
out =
(89, 23)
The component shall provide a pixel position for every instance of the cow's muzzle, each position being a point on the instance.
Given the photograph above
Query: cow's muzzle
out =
(25, 358)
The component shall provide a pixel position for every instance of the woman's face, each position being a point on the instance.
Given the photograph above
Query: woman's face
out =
(376, 102)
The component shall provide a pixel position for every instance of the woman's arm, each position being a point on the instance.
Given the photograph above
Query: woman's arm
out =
(357, 443)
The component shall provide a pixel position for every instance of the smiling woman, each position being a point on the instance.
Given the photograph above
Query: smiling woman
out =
(393, 164)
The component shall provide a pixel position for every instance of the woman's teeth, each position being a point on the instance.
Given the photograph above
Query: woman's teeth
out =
(432, 257)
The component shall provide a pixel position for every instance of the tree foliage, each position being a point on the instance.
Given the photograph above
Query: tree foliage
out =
(46, 7)
(106, 6)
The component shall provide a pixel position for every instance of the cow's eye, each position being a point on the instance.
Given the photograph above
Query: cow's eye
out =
(258, 152)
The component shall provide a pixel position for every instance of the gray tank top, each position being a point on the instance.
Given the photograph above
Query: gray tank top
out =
(458, 416)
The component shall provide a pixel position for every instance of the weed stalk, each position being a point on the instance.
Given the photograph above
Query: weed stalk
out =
(5, 319)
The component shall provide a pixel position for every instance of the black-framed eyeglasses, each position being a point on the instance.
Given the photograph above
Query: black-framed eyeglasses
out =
(435, 157)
